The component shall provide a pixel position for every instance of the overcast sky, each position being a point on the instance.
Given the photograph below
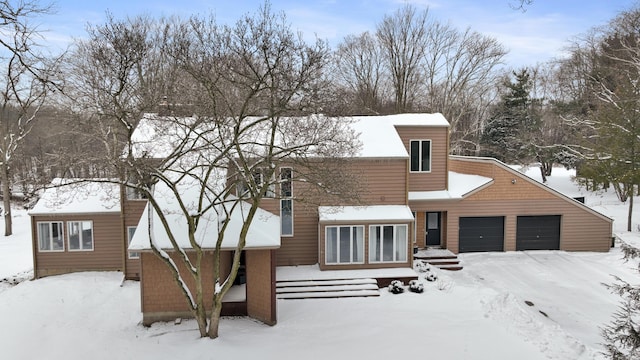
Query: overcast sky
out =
(535, 35)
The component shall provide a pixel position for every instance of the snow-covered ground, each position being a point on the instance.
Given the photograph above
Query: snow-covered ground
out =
(524, 305)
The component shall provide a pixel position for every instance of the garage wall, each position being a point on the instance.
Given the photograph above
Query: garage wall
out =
(579, 231)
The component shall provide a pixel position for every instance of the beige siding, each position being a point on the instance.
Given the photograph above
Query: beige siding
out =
(261, 285)
(107, 243)
(581, 228)
(132, 212)
(439, 136)
(384, 183)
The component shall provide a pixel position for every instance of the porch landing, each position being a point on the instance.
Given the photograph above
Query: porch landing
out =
(308, 281)
(441, 258)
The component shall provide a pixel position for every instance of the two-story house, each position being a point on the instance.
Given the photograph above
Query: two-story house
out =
(414, 195)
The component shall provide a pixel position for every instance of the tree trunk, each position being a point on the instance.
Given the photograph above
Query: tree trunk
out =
(214, 323)
(629, 216)
(6, 199)
(543, 173)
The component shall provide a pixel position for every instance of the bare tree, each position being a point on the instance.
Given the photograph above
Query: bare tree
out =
(27, 78)
(249, 90)
(360, 69)
(403, 37)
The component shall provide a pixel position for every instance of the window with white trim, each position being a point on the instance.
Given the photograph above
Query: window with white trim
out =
(80, 235)
(131, 230)
(388, 243)
(344, 244)
(259, 175)
(50, 236)
(286, 202)
(420, 155)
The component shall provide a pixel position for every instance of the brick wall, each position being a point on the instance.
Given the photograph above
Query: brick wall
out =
(261, 289)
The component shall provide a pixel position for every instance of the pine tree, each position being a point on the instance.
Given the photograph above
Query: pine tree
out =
(622, 334)
(505, 135)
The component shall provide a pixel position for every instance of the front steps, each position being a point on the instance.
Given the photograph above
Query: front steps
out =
(327, 288)
(440, 258)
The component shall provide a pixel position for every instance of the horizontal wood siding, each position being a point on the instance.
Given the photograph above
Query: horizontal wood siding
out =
(383, 183)
(107, 243)
(581, 228)
(503, 187)
(439, 136)
(132, 211)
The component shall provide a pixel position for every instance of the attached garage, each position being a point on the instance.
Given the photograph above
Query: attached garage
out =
(538, 232)
(484, 233)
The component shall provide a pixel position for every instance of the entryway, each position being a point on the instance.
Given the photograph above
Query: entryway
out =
(433, 226)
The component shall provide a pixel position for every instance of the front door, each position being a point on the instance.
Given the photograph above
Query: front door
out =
(432, 227)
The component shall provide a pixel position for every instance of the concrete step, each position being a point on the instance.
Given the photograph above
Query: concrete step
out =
(330, 288)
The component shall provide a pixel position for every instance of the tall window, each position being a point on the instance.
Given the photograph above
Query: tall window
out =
(50, 236)
(131, 230)
(344, 244)
(259, 176)
(286, 202)
(388, 243)
(420, 155)
(80, 235)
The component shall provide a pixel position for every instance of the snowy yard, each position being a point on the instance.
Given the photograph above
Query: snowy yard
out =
(515, 305)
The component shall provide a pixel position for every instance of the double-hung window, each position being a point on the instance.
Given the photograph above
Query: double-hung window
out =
(420, 155)
(344, 244)
(286, 202)
(80, 234)
(387, 243)
(50, 236)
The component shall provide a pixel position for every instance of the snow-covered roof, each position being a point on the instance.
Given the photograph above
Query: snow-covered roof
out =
(379, 137)
(156, 136)
(264, 231)
(366, 213)
(78, 196)
(460, 185)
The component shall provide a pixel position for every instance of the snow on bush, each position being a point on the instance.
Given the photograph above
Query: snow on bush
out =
(422, 266)
(416, 287)
(396, 287)
(431, 276)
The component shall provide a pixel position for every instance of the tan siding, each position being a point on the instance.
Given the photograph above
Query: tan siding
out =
(384, 184)
(439, 136)
(503, 187)
(132, 211)
(580, 230)
(106, 255)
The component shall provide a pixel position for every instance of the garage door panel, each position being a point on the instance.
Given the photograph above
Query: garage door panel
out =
(481, 234)
(538, 232)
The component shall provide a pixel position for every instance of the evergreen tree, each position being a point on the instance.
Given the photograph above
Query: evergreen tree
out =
(505, 136)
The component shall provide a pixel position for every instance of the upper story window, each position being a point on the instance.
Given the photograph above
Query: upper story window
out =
(286, 202)
(260, 179)
(420, 155)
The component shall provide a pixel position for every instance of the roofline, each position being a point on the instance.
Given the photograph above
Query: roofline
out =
(531, 181)
(481, 187)
(85, 213)
(211, 249)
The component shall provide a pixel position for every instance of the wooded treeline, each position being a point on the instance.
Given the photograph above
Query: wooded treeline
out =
(574, 111)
